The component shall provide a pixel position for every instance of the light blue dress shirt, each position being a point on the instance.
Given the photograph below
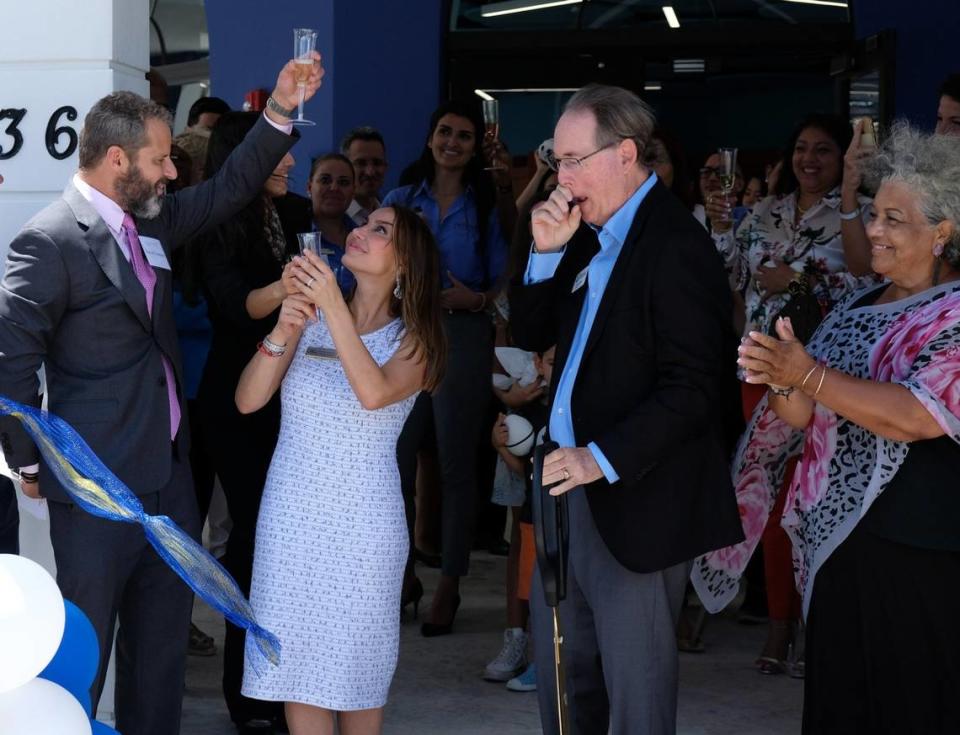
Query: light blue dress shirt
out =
(541, 267)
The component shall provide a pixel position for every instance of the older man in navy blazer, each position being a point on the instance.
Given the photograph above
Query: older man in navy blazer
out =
(629, 287)
(87, 292)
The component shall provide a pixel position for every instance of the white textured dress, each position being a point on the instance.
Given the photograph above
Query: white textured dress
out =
(331, 537)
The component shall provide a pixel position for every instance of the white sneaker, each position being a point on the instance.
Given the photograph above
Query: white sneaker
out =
(512, 657)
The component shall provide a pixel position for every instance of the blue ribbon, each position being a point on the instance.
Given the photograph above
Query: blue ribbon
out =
(98, 491)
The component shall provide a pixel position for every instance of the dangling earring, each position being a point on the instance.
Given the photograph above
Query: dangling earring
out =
(397, 291)
(938, 252)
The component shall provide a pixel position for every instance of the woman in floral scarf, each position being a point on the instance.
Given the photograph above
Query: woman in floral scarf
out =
(808, 234)
(873, 511)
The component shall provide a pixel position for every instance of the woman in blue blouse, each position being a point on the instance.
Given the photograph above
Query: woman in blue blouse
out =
(458, 200)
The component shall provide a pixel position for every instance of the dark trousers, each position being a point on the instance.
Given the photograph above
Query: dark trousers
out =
(458, 406)
(111, 572)
(619, 639)
(9, 518)
(201, 463)
(883, 644)
(241, 447)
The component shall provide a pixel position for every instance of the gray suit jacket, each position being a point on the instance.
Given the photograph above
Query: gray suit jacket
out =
(70, 300)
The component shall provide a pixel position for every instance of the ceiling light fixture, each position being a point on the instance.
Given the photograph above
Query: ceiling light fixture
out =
(652, 87)
(671, 16)
(689, 66)
(492, 10)
(532, 89)
(830, 3)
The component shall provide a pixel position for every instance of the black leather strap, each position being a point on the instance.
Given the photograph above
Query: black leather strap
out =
(551, 531)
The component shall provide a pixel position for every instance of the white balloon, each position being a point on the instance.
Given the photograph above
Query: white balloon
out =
(41, 707)
(31, 621)
(519, 435)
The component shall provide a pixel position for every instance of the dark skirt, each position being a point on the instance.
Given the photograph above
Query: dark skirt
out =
(883, 641)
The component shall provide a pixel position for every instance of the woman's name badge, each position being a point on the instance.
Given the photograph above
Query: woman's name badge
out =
(580, 280)
(322, 353)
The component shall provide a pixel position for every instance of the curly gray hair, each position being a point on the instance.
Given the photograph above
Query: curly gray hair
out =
(928, 165)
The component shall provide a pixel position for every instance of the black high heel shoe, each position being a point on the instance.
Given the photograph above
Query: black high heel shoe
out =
(412, 593)
(432, 630)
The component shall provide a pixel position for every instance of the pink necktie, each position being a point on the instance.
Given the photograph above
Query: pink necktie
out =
(148, 279)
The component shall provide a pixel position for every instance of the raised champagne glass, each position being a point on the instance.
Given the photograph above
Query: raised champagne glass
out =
(304, 44)
(491, 122)
(727, 170)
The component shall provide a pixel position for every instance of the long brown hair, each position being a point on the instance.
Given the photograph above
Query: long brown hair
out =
(418, 264)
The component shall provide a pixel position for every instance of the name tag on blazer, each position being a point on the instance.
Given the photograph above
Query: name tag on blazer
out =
(580, 280)
(154, 252)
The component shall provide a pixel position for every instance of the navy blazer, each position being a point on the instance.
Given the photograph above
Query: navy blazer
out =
(657, 388)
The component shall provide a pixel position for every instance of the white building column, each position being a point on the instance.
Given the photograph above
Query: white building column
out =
(56, 60)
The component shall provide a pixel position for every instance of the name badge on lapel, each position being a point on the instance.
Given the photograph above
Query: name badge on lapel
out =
(580, 280)
(154, 252)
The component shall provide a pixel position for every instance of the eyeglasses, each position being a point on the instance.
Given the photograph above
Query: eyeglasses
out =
(707, 171)
(575, 164)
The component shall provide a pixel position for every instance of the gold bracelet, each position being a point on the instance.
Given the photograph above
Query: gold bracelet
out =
(483, 303)
(807, 376)
(820, 384)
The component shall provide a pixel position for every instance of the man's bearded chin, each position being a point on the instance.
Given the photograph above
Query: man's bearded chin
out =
(140, 197)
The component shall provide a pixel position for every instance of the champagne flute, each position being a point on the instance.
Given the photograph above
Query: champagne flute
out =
(304, 44)
(728, 170)
(313, 241)
(491, 121)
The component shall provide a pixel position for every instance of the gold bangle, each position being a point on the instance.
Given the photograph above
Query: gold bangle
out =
(483, 303)
(807, 376)
(820, 384)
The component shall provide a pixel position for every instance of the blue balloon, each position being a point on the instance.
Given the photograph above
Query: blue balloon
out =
(100, 729)
(74, 666)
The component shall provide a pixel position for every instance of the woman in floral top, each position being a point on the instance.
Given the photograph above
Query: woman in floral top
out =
(810, 228)
(811, 225)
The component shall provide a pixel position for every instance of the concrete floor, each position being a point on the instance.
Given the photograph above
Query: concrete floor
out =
(438, 689)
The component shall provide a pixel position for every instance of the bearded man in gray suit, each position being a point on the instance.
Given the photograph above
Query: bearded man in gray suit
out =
(87, 292)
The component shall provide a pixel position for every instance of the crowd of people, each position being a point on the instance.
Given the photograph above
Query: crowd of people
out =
(755, 387)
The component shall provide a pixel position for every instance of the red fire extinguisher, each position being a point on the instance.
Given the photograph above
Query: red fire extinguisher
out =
(255, 100)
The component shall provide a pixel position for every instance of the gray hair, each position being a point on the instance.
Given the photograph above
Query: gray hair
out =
(620, 115)
(118, 119)
(929, 165)
(371, 135)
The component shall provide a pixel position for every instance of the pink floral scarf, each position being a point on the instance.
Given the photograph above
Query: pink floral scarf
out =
(844, 468)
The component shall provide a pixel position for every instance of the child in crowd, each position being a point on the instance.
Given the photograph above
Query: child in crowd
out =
(510, 665)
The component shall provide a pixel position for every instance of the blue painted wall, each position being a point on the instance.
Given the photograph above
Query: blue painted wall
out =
(382, 59)
(927, 33)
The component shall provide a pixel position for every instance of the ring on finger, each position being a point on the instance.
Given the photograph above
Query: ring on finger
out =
(566, 474)
(310, 282)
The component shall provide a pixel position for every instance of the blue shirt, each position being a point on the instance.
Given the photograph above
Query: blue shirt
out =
(541, 267)
(345, 278)
(457, 236)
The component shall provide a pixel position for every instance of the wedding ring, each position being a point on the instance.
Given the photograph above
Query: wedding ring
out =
(566, 474)
(310, 282)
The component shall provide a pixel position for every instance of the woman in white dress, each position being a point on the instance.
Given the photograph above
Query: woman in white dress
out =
(331, 536)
